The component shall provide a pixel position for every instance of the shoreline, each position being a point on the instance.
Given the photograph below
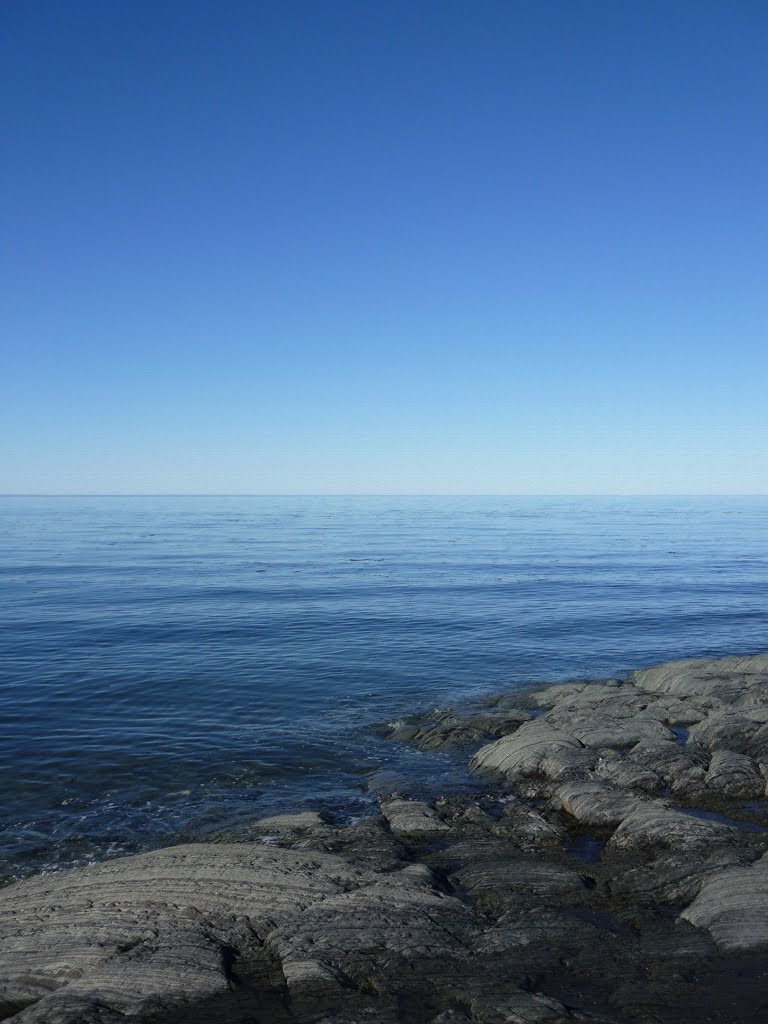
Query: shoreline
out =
(612, 866)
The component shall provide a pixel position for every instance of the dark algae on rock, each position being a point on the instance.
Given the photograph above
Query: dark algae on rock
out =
(614, 870)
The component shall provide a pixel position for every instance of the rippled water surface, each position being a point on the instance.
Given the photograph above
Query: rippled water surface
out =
(174, 666)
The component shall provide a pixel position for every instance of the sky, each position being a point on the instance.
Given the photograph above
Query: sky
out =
(351, 246)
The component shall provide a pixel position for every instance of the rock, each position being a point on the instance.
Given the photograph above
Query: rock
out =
(151, 932)
(652, 826)
(726, 679)
(757, 747)
(670, 877)
(528, 829)
(502, 881)
(447, 730)
(673, 710)
(625, 773)
(734, 775)
(500, 920)
(398, 929)
(535, 749)
(724, 730)
(518, 1007)
(412, 818)
(604, 717)
(290, 822)
(682, 768)
(552, 694)
(595, 803)
(368, 842)
(733, 906)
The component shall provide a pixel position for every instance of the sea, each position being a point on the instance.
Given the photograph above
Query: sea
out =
(173, 668)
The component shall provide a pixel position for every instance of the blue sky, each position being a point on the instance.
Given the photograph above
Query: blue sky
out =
(357, 246)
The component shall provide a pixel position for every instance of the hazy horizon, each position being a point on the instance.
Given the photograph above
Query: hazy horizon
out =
(383, 494)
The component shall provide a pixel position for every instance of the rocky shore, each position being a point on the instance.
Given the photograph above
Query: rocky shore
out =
(615, 869)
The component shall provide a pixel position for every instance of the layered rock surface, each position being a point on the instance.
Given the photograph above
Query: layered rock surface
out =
(612, 865)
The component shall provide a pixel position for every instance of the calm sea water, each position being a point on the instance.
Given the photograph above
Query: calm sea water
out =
(175, 666)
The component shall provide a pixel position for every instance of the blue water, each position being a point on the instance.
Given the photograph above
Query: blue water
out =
(176, 666)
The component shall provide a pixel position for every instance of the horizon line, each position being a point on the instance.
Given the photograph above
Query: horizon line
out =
(383, 494)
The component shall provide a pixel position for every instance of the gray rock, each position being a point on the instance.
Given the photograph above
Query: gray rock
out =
(311, 923)
(734, 775)
(536, 749)
(290, 822)
(528, 829)
(446, 729)
(363, 936)
(518, 1007)
(724, 730)
(151, 933)
(652, 826)
(726, 679)
(597, 804)
(625, 773)
(733, 906)
(412, 818)
(682, 768)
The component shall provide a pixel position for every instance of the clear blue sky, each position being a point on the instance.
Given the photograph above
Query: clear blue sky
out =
(401, 246)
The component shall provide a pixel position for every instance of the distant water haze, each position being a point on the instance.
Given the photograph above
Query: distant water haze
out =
(173, 666)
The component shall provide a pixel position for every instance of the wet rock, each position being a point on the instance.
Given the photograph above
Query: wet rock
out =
(290, 822)
(447, 729)
(412, 818)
